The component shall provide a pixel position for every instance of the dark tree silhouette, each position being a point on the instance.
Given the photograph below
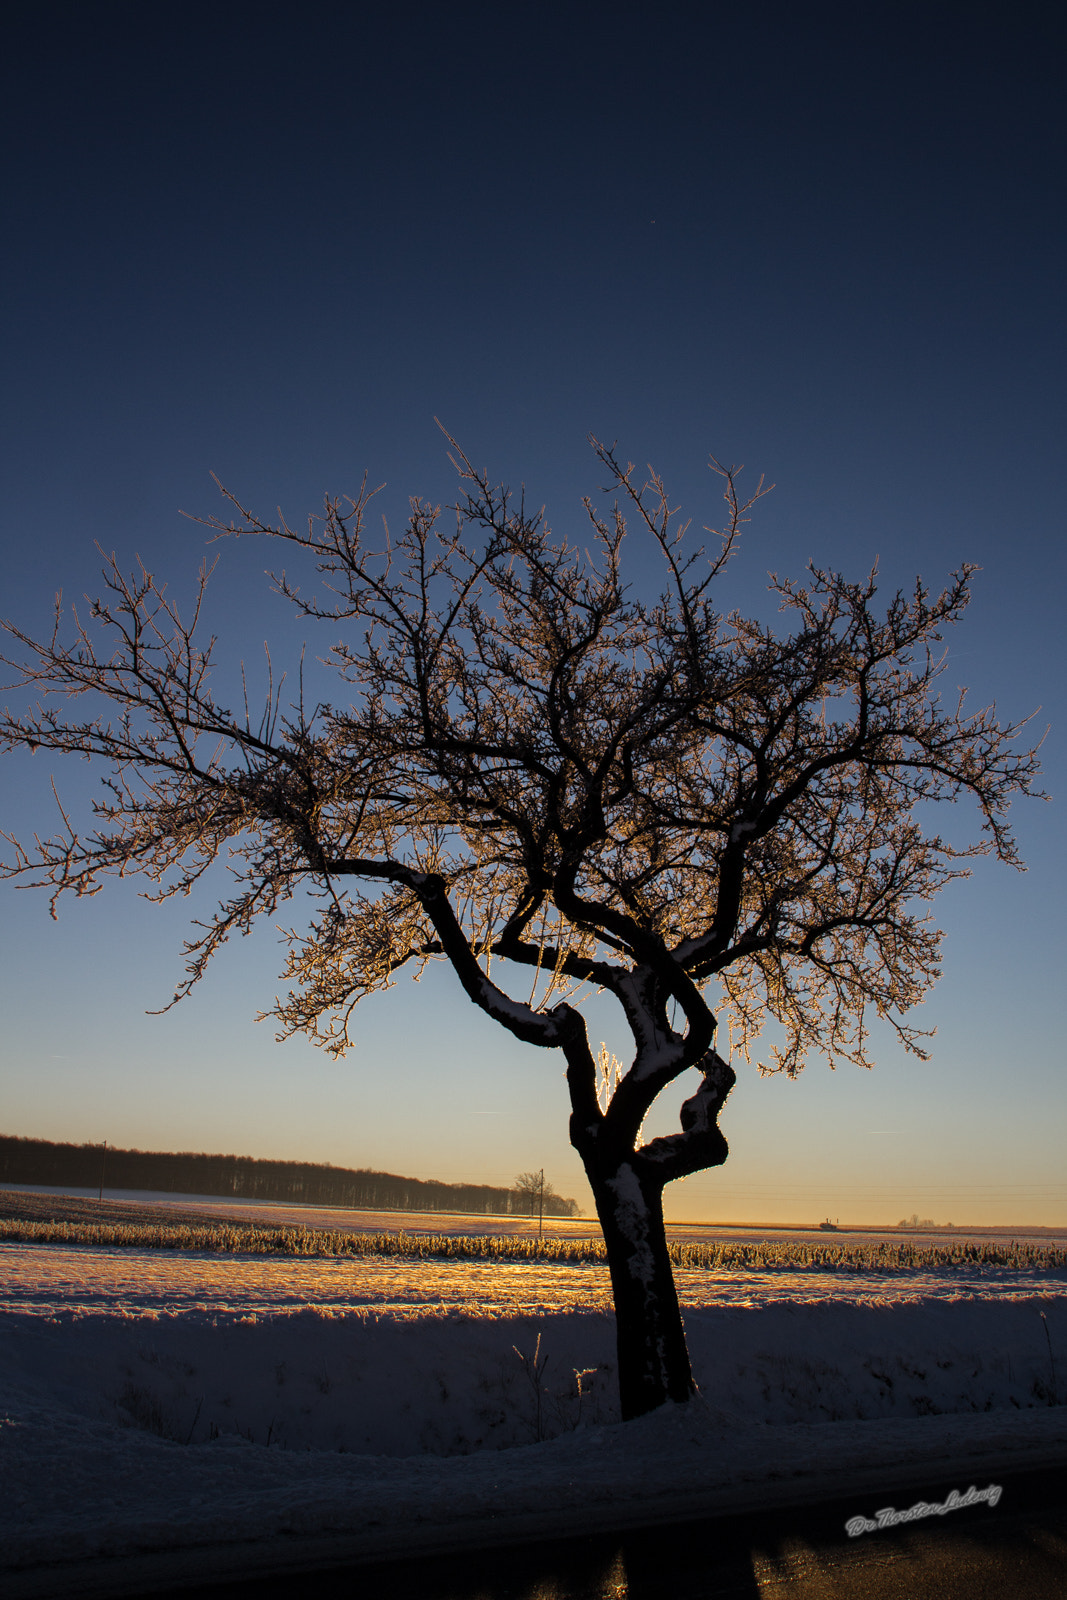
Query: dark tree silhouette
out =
(40, 1161)
(530, 1190)
(539, 769)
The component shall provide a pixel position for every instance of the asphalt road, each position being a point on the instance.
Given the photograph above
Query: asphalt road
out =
(1016, 1550)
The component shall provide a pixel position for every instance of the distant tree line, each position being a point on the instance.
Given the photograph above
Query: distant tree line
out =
(246, 1178)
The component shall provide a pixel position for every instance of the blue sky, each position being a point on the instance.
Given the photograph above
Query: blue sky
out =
(275, 241)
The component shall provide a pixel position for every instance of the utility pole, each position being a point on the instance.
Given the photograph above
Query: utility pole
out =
(541, 1205)
(103, 1164)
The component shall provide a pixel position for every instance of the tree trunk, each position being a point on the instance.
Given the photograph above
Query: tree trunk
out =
(653, 1358)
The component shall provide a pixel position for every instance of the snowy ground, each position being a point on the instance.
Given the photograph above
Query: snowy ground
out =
(158, 1402)
(213, 1207)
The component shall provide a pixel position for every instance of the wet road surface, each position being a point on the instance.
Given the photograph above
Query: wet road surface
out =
(1016, 1550)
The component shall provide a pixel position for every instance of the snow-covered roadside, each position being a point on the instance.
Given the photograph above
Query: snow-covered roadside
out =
(133, 1515)
(448, 1383)
(389, 1415)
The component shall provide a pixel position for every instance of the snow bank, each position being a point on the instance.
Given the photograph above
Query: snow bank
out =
(449, 1384)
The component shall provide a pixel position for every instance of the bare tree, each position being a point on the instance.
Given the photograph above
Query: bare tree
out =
(532, 1189)
(541, 771)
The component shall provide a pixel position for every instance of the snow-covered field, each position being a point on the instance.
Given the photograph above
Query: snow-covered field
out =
(157, 1401)
(76, 1279)
(345, 1219)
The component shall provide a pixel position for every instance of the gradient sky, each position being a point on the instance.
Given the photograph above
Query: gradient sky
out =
(274, 241)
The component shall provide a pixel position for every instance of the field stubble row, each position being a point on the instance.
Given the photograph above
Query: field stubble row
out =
(721, 1255)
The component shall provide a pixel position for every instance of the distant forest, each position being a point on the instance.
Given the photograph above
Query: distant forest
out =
(245, 1178)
